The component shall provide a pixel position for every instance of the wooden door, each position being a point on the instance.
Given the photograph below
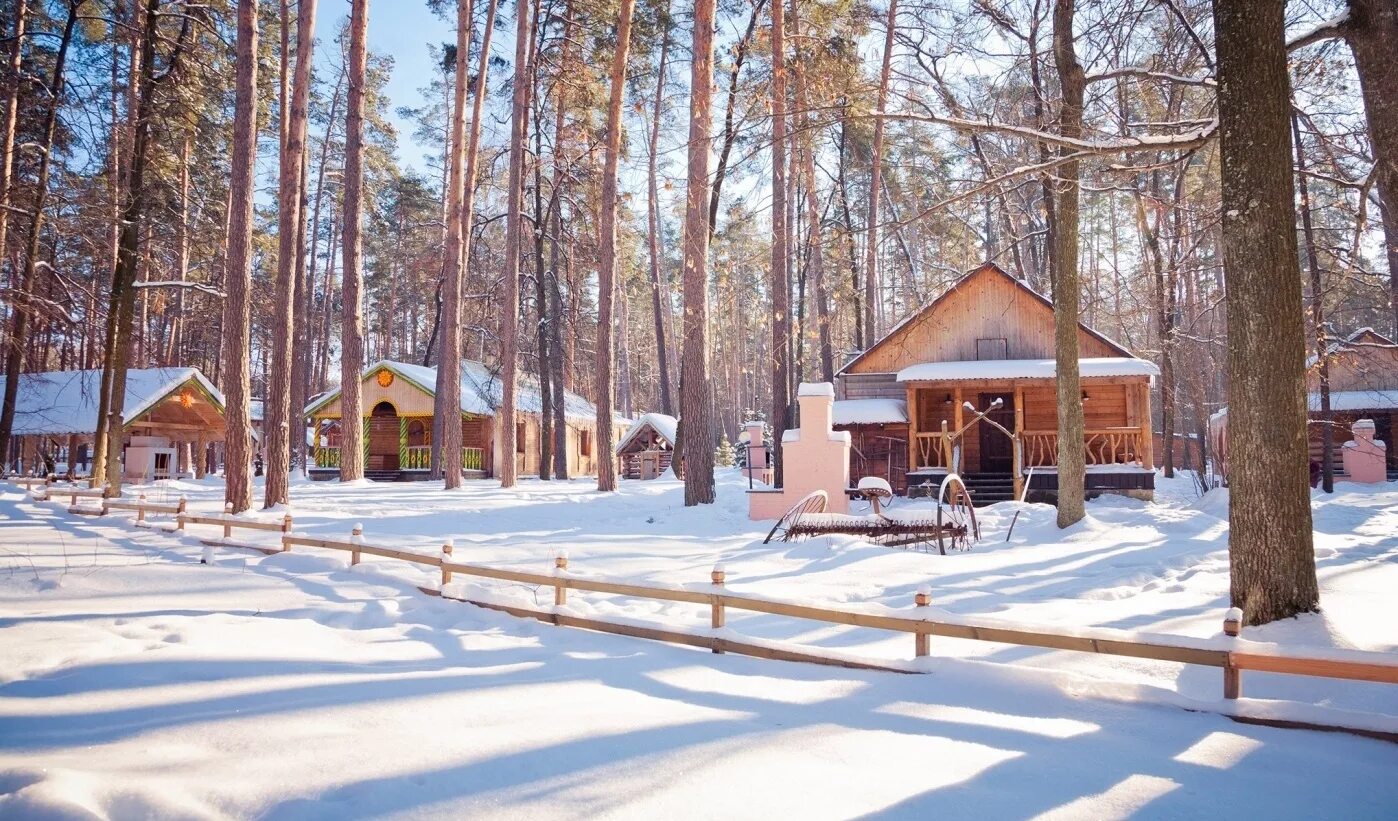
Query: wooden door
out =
(383, 438)
(997, 451)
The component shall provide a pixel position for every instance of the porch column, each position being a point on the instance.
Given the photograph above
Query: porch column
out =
(1147, 439)
(201, 455)
(957, 422)
(1018, 442)
(912, 429)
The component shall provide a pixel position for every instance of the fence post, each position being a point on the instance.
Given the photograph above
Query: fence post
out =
(923, 641)
(356, 537)
(227, 516)
(447, 548)
(717, 576)
(286, 531)
(560, 566)
(179, 513)
(1232, 676)
(140, 507)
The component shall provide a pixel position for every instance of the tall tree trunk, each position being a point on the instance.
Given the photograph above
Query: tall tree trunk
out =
(300, 363)
(659, 287)
(871, 245)
(815, 243)
(558, 360)
(1372, 31)
(237, 469)
(1071, 458)
(514, 218)
(446, 405)
(1271, 557)
(780, 284)
(1322, 343)
(541, 327)
(7, 133)
(24, 287)
(607, 270)
(352, 247)
(280, 418)
(695, 404)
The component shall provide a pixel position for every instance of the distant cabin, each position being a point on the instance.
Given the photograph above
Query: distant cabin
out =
(171, 417)
(1363, 381)
(397, 400)
(991, 337)
(648, 447)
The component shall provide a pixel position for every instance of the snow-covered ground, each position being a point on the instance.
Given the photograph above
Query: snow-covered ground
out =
(138, 683)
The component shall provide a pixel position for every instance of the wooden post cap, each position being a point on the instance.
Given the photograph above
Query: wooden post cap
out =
(923, 597)
(228, 508)
(718, 575)
(357, 530)
(561, 561)
(1233, 621)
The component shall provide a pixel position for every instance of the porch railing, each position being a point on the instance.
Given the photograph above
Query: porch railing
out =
(416, 457)
(1104, 446)
(327, 457)
(473, 459)
(934, 450)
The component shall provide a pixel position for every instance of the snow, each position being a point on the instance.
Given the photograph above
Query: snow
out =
(482, 392)
(815, 389)
(139, 683)
(1356, 400)
(1024, 369)
(64, 402)
(870, 412)
(665, 425)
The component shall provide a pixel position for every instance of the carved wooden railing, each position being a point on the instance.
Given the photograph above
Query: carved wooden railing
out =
(415, 457)
(1104, 446)
(473, 459)
(933, 450)
(327, 457)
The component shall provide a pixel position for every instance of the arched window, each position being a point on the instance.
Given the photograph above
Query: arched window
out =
(385, 409)
(418, 433)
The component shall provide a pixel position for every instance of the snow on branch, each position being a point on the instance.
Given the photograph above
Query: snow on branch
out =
(1324, 30)
(1120, 145)
(1141, 72)
(174, 283)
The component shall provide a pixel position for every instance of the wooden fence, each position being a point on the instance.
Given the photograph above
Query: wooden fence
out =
(1229, 654)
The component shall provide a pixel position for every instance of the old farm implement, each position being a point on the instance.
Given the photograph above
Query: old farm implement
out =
(953, 524)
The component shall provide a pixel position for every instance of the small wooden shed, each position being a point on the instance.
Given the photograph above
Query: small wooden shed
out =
(645, 452)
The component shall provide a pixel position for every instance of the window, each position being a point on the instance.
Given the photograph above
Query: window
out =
(519, 437)
(417, 432)
(992, 348)
(584, 442)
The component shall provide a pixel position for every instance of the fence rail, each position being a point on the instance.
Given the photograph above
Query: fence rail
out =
(1229, 653)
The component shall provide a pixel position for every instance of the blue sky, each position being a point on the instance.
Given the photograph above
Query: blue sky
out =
(401, 29)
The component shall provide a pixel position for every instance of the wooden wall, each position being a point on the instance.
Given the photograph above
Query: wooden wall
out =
(986, 305)
(406, 397)
(1360, 369)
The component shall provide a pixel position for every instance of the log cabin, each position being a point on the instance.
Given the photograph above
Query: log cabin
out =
(172, 419)
(988, 343)
(647, 449)
(1363, 382)
(397, 400)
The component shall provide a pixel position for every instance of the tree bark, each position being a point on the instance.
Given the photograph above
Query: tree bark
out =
(1322, 343)
(871, 246)
(659, 286)
(237, 470)
(514, 218)
(695, 406)
(19, 329)
(446, 404)
(282, 419)
(607, 270)
(1269, 539)
(1071, 458)
(7, 132)
(780, 284)
(351, 246)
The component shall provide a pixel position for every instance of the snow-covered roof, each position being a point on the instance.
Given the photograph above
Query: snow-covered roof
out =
(482, 392)
(815, 389)
(64, 402)
(1355, 400)
(1024, 369)
(663, 424)
(870, 412)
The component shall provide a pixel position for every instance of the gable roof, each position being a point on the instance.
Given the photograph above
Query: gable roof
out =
(1363, 336)
(664, 425)
(64, 402)
(984, 270)
(481, 391)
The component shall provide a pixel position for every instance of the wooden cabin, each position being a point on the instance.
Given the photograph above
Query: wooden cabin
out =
(1363, 378)
(647, 449)
(990, 339)
(397, 400)
(172, 417)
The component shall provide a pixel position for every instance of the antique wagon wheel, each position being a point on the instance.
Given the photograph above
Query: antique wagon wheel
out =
(956, 516)
(813, 502)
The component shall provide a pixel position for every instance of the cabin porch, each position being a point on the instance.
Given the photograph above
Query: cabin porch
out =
(398, 448)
